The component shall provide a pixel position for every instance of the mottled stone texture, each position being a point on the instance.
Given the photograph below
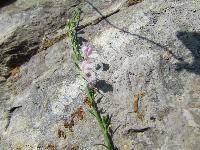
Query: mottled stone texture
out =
(147, 58)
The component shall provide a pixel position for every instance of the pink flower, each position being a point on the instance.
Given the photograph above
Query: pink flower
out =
(85, 66)
(87, 50)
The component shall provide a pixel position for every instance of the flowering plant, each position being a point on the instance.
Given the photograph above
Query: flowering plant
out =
(82, 62)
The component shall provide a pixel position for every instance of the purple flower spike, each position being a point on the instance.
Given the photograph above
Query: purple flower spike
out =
(87, 50)
(85, 66)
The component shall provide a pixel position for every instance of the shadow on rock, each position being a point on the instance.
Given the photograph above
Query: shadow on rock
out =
(102, 66)
(104, 86)
(191, 40)
(80, 39)
(124, 29)
(105, 67)
(6, 2)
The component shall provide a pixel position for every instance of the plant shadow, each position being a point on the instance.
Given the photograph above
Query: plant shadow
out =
(124, 30)
(191, 40)
(4, 3)
(80, 39)
(103, 86)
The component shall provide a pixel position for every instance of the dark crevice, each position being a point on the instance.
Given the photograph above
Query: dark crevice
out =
(96, 21)
(13, 109)
(102, 17)
(129, 131)
(10, 112)
(4, 3)
(133, 2)
(16, 60)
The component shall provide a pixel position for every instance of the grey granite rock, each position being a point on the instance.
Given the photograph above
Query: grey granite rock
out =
(24, 25)
(148, 57)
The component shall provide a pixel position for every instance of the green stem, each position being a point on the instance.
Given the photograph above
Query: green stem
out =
(104, 129)
(107, 138)
(72, 24)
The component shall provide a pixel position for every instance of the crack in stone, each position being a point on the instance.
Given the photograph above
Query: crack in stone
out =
(50, 42)
(10, 112)
(129, 131)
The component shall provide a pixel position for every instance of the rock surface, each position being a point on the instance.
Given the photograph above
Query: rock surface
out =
(149, 65)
